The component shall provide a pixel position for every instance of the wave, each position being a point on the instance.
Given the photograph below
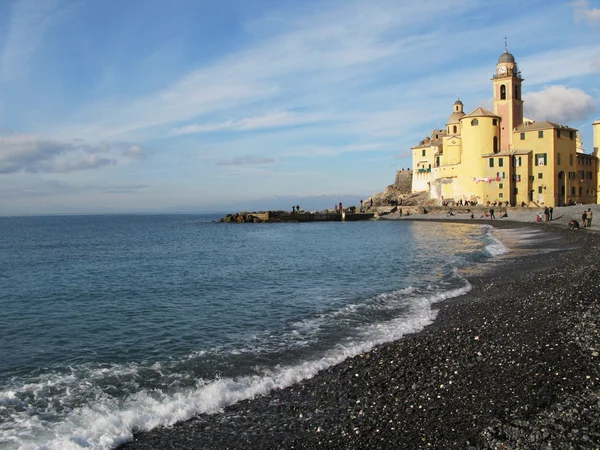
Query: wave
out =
(495, 247)
(105, 421)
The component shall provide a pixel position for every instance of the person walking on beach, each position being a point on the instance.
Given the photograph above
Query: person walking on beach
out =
(584, 219)
(589, 217)
(492, 216)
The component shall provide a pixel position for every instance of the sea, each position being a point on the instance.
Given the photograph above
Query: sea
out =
(112, 324)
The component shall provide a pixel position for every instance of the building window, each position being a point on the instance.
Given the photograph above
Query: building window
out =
(501, 185)
(494, 122)
(502, 92)
(571, 159)
(540, 134)
(424, 152)
(540, 190)
(571, 135)
(531, 178)
(589, 175)
(500, 161)
(540, 176)
(540, 159)
(522, 136)
(518, 92)
(474, 122)
(572, 190)
(516, 161)
(500, 174)
(557, 133)
(491, 162)
(454, 129)
(495, 144)
(558, 159)
(571, 175)
(581, 175)
(500, 195)
(515, 191)
(517, 178)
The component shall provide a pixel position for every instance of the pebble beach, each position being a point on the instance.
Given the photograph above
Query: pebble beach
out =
(513, 364)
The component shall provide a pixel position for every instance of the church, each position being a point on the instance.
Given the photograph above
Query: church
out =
(501, 156)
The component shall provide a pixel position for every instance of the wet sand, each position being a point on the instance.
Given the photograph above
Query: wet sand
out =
(512, 364)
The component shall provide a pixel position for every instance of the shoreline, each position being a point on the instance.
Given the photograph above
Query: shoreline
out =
(513, 363)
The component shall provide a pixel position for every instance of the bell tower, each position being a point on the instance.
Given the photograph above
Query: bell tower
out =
(508, 103)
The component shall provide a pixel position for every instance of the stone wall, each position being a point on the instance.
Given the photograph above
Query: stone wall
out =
(403, 182)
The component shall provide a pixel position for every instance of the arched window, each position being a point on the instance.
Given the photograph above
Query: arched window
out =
(495, 144)
(502, 92)
(454, 129)
(518, 92)
(474, 122)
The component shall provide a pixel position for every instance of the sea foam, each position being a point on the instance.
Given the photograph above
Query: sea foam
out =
(107, 422)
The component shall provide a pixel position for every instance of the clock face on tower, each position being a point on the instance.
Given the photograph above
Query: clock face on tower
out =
(502, 69)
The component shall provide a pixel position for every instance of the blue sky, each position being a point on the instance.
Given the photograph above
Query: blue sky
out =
(193, 105)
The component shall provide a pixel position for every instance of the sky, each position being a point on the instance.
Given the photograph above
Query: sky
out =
(138, 106)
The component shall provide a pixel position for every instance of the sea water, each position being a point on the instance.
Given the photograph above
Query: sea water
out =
(112, 324)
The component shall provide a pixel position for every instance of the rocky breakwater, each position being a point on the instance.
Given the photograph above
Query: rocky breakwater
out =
(244, 217)
(349, 214)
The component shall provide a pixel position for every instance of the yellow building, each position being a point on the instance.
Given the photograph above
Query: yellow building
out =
(501, 156)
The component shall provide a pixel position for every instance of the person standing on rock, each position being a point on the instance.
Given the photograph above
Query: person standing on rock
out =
(341, 208)
(589, 217)
(361, 206)
(492, 216)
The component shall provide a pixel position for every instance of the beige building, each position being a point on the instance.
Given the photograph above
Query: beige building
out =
(500, 156)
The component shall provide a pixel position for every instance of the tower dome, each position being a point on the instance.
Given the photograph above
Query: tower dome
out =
(506, 58)
(453, 124)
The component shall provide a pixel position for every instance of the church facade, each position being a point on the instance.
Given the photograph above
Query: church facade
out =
(501, 156)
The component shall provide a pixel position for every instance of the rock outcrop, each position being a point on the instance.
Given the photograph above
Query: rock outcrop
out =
(398, 194)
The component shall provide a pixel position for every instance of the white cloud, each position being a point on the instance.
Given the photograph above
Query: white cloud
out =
(134, 151)
(28, 153)
(583, 12)
(559, 104)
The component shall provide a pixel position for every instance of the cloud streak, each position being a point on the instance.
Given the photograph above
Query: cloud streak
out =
(273, 120)
(245, 161)
(29, 22)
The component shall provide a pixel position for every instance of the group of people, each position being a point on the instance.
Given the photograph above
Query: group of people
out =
(586, 218)
(546, 216)
(461, 202)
